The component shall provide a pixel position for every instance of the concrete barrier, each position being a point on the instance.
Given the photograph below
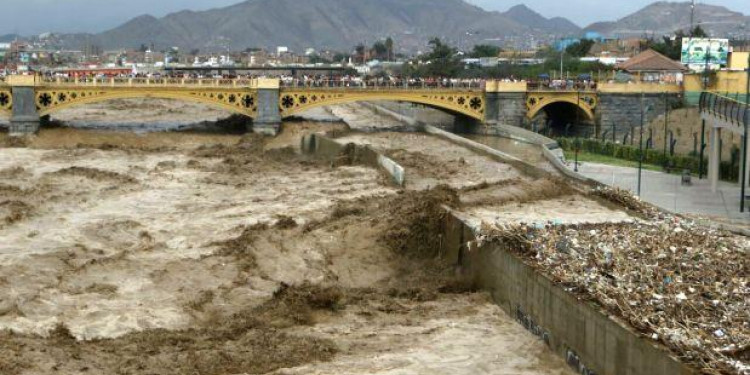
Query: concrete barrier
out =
(548, 146)
(550, 149)
(590, 340)
(329, 149)
(500, 156)
(520, 134)
(392, 114)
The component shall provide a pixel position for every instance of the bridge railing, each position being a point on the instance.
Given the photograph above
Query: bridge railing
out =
(146, 82)
(727, 109)
(383, 85)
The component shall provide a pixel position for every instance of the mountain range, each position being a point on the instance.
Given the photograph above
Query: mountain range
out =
(663, 17)
(334, 24)
(342, 24)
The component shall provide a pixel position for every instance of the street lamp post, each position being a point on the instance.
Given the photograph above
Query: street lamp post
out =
(644, 110)
(562, 54)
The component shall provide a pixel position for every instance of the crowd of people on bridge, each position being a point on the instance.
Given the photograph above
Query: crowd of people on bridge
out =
(344, 80)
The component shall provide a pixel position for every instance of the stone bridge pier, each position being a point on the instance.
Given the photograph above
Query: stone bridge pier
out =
(24, 117)
(268, 118)
(506, 103)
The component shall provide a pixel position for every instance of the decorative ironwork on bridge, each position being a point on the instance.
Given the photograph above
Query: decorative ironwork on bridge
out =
(6, 100)
(52, 99)
(462, 101)
(55, 95)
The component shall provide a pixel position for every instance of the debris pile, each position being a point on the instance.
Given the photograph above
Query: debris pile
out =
(680, 284)
(625, 199)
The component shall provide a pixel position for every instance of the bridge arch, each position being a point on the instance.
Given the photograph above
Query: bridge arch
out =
(51, 100)
(562, 109)
(467, 103)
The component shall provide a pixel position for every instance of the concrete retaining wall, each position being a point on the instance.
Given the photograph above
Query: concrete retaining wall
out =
(589, 339)
(521, 135)
(500, 156)
(551, 150)
(624, 110)
(413, 115)
(329, 149)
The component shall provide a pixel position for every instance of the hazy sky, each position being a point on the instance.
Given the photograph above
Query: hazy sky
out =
(37, 16)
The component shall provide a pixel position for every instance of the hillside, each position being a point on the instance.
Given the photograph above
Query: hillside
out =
(338, 24)
(528, 17)
(663, 18)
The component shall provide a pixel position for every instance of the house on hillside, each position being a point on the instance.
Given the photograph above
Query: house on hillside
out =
(652, 66)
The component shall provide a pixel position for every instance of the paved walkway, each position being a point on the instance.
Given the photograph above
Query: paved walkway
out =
(666, 191)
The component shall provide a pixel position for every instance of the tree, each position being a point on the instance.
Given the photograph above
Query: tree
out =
(389, 47)
(360, 51)
(380, 50)
(698, 32)
(580, 49)
(671, 46)
(441, 61)
(485, 50)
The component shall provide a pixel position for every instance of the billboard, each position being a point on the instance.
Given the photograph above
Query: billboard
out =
(702, 51)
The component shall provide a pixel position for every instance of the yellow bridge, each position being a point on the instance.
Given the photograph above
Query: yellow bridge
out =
(267, 101)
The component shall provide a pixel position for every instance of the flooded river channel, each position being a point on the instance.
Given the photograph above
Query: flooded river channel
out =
(208, 253)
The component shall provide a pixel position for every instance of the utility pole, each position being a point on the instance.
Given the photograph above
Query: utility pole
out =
(578, 110)
(666, 123)
(703, 122)
(692, 19)
(746, 139)
(640, 155)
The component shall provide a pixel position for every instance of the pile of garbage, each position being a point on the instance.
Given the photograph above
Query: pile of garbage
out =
(678, 283)
(624, 198)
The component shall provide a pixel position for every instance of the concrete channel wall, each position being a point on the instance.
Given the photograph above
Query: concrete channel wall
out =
(500, 156)
(549, 147)
(590, 340)
(329, 149)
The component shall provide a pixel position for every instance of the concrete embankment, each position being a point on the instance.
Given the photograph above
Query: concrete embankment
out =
(327, 148)
(435, 122)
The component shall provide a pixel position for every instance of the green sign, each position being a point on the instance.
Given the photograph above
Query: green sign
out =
(696, 51)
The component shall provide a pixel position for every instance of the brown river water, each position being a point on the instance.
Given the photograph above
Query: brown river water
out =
(174, 253)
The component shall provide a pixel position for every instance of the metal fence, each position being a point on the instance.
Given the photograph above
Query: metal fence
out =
(145, 82)
(383, 84)
(725, 108)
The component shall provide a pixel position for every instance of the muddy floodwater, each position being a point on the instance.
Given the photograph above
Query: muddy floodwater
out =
(206, 253)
